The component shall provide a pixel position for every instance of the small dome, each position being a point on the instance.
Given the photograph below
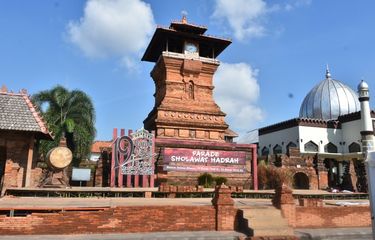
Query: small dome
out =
(329, 99)
(362, 86)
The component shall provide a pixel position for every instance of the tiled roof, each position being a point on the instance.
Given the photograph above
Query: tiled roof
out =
(98, 146)
(230, 133)
(17, 113)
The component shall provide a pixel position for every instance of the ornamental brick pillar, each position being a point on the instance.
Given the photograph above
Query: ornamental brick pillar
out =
(30, 154)
(224, 206)
(99, 172)
(322, 175)
(284, 200)
(353, 174)
(113, 160)
(255, 166)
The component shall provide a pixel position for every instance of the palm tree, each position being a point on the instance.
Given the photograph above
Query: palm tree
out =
(69, 114)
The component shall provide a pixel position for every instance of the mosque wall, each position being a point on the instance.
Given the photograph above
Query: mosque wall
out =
(320, 136)
(282, 137)
(351, 133)
(300, 135)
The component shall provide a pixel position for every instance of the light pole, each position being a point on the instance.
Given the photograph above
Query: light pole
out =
(367, 134)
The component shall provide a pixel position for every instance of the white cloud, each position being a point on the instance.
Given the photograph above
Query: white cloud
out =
(295, 4)
(243, 16)
(246, 18)
(113, 28)
(237, 92)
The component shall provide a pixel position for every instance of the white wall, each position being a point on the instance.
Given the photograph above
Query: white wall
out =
(320, 136)
(300, 135)
(285, 135)
(351, 133)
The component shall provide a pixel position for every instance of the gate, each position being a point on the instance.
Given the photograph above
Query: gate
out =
(132, 162)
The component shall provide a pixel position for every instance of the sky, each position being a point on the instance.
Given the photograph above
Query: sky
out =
(279, 52)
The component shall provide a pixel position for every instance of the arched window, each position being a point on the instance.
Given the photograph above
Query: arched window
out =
(311, 147)
(277, 149)
(330, 148)
(301, 181)
(265, 151)
(354, 147)
(191, 90)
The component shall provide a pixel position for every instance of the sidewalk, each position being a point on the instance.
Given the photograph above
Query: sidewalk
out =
(202, 235)
(35, 202)
(335, 233)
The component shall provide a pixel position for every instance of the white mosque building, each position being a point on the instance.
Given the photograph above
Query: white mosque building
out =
(326, 138)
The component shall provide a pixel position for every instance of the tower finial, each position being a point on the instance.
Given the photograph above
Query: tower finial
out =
(184, 14)
(328, 74)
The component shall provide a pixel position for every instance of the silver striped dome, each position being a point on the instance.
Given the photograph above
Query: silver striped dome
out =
(329, 99)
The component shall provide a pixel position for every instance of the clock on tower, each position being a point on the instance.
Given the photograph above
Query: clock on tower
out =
(191, 48)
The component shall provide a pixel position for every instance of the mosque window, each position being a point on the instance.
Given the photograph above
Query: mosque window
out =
(354, 147)
(277, 149)
(330, 148)
(311, 147)
(265, 151)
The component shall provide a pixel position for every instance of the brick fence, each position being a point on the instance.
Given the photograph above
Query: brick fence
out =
(219, 216)
(312, 214)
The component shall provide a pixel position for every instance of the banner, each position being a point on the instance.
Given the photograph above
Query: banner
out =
(198, 160)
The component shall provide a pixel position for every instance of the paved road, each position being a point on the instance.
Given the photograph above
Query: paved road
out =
(303, 234)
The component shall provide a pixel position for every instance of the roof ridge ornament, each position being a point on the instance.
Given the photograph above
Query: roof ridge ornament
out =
(4, 89)
(328, 73)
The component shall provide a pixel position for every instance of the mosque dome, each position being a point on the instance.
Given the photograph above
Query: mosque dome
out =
(329, 99)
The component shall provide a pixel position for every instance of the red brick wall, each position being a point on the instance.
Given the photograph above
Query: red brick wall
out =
(312, 213)
(113, 220)
(326, 217)
(220, 216)
(331, 217)
(16, 153)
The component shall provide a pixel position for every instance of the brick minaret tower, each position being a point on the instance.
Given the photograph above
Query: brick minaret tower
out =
(185, 62)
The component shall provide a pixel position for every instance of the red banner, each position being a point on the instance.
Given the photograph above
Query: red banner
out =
(198, 168)
(198, 160)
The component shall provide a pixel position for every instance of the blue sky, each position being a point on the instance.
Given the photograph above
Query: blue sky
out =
(279, 52)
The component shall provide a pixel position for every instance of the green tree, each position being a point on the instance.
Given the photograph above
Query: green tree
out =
(70, 114)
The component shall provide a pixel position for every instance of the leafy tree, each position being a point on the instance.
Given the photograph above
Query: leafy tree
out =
(271, 177)
(206, 180)
(69, 114)
(220, 180)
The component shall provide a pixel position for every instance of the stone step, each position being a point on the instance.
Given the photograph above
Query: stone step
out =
(262, 214)
(270, 224)
(267, 221)
(274, 232)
